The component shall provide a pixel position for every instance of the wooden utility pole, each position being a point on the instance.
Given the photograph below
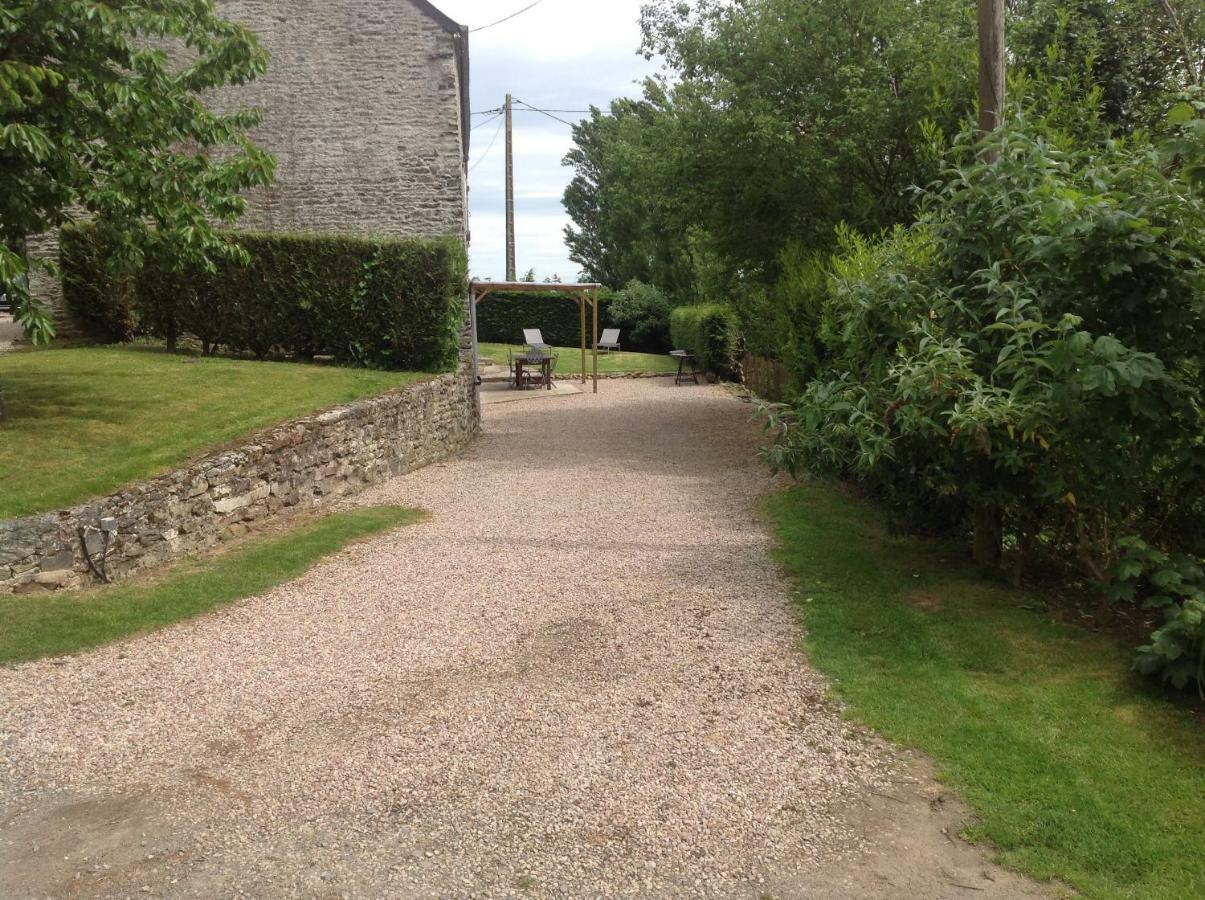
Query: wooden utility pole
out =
(511, 274)
(991, 64)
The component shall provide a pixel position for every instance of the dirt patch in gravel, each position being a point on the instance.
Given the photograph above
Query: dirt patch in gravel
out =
(580, 677)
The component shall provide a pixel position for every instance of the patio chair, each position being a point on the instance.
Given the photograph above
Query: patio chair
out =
(512, 379)
(609, 340)
(533, 374)
(533, 338)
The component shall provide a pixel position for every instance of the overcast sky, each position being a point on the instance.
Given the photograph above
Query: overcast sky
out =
(563, 54)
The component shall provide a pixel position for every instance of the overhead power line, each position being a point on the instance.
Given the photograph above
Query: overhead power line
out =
(508, 18)
(545, 112)
(486, 121)
(498, 109)
(493, 141)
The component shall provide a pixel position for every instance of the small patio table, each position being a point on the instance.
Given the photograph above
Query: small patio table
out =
(530, 361)
(683, 357)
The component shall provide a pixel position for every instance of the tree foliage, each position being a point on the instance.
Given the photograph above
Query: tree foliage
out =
(102, 116)
(783, 120)
(1136, 53)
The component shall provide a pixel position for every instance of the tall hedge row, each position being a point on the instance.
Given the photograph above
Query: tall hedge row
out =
(501, 318)
(99, 299)
(711, 332)
(379, 303)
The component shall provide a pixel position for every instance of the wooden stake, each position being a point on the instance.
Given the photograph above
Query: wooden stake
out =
(991, 65)
(581, 307)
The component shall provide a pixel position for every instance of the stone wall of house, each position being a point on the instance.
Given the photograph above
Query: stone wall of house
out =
(296, 466)
(362, 108)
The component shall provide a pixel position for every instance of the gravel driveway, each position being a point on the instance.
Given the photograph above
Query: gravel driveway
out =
(580, 677)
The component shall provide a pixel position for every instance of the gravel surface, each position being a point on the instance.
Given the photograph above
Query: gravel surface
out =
(580, 677)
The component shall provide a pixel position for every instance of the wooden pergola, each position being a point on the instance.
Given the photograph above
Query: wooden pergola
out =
(586, 296)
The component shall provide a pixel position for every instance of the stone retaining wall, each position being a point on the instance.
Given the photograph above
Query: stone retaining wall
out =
(295, 466)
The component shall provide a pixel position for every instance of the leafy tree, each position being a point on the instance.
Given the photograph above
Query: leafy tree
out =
(785, 119)
(625, 198)
(102, 118)
(1135, 53)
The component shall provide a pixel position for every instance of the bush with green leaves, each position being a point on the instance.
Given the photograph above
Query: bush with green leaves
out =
(711, 332)
(643, 312)
(1174, 584)
(1026, 361)
(378, 303)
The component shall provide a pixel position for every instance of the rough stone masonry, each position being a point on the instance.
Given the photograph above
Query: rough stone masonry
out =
(296, 466)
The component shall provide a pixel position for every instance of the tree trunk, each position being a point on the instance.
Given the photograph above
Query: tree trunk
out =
(991, 66)
(988, 537)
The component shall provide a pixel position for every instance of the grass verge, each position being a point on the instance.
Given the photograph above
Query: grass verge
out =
(34, 626)
(570, 360)
(86, 421)
(1078, 770)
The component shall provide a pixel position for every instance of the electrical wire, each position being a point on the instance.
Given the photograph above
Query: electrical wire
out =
(508, 18)
(493, 141)
(498, 109)
(545, 112)
(485, 122)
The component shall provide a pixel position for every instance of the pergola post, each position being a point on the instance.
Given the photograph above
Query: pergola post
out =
(594, 344)
(581, 309)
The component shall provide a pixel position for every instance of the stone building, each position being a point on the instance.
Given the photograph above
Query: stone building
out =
(366, 107)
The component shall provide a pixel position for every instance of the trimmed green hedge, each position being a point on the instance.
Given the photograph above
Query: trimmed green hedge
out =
(379, 303)
(711, 332)
(99, 301)
(502, 317)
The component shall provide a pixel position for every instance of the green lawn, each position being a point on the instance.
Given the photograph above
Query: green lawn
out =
(84, 422)
(37, 625)
(570, 360)
(1078, 770)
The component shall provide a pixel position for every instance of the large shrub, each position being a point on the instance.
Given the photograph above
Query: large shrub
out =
(1026, 360)
(379, 303)
(711, 332)
(643, 312)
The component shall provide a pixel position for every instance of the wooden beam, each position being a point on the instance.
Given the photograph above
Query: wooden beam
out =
(595, 343)
(535, 287)
(581, 308)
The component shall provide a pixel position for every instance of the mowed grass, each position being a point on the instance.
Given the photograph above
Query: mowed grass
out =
(84, 422)
(37, 625)
(570, 360)
(1079, 770)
